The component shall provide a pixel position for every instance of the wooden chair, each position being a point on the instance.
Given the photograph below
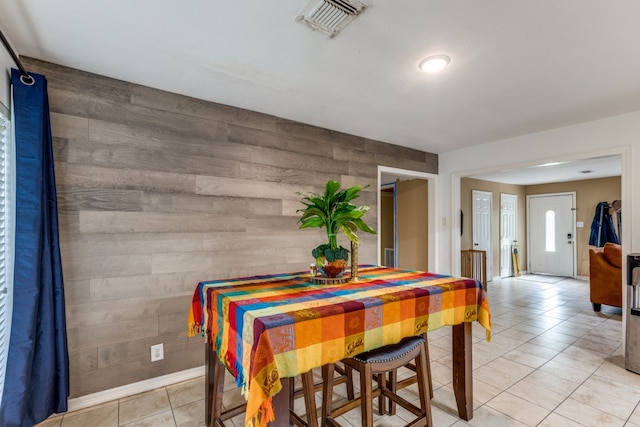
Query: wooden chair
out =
(380, 362)
(218, 415)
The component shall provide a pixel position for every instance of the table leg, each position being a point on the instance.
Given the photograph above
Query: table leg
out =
(463, 369)
(209, 377)
(281, 404)
(280, 401)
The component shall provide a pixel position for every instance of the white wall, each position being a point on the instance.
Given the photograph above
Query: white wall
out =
(5, 65)
(613, 135)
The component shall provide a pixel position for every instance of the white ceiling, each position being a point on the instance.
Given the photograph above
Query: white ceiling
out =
(517, 66)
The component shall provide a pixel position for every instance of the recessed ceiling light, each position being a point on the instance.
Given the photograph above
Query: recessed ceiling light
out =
(434, 63)
(586, 171)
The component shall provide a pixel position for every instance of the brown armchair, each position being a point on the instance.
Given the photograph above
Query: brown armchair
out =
(605, 275)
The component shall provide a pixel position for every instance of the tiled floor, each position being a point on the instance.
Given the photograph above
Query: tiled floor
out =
(552, 361)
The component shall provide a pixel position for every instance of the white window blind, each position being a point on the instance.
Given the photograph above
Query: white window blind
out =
(6, 256)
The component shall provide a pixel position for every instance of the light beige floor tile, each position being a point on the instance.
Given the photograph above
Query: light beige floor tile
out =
(143, 405)
(547, 342)
(445, 400)
(571, 329)
(442, 418)
(579, 353)
(102, 416)
(565, 371)
(483, 392)
(525, 358)
(502, 373)
(551, 382)
(557, 336)
(635, 416)
(440, 373)
(535, 394)
(613, 369)
(519, 409)
(186, 392)
(500, 345)
(163, 419)
(555, 420)
(587, 415)
(600, 393)
(191, 414)
(486, 416)
(538, 350)
(526, 327)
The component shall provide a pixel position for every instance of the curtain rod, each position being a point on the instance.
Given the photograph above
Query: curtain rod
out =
(27, 78)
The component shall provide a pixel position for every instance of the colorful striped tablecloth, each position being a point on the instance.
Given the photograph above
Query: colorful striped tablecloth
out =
(269, 327)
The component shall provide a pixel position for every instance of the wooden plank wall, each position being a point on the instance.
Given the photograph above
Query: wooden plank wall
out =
(158, 191)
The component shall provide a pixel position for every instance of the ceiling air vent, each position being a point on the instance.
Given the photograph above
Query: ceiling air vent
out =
(330, 16)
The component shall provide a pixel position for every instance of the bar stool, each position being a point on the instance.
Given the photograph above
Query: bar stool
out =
(218, 415)
(380, 362)
(396, 385)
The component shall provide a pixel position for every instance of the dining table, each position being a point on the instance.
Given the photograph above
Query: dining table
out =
(267, 329)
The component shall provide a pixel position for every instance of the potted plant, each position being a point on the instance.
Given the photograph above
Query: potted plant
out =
(334, 211)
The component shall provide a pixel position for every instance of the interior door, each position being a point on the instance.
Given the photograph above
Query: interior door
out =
(508, 232)
(481, 206)
(551, 231)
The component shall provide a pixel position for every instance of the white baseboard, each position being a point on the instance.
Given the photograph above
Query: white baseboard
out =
(89, 400)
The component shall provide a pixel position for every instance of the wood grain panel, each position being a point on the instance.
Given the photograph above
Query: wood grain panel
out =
(320, 135)
(149, 222)
(93, 336)
(160, 100)
(77, 199)
(379, 159)
(163, 202)
(86, 267)
(287, 143)
(69, 127)
(151, 138)
(83, 175)
(139, 158)
(286, 175)
(158, 192)
(217, 186)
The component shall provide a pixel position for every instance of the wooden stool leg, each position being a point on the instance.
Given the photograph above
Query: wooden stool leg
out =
(348, 372)
(426, 353)
(327, 392)
(382, 384)
(310, 399)
(366, 399)
(423, 373)
(393, 386)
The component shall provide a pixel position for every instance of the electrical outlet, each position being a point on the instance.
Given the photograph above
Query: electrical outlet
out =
(157, 352)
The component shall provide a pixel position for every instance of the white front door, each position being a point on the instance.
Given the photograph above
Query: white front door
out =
(482, 226)
(508, 232)
(551, 236)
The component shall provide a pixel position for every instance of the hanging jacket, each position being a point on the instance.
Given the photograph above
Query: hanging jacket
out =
(602, 229)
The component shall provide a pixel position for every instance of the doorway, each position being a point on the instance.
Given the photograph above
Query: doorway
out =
(481, 216)
(508, 232)
(551, 234)
(415, 233)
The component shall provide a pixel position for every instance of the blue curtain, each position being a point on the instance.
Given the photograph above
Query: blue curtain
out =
(37, 379)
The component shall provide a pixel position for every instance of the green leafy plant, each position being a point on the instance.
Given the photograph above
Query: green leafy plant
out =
(334, 211)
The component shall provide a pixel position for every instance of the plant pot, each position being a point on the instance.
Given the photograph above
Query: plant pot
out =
(333, 268)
